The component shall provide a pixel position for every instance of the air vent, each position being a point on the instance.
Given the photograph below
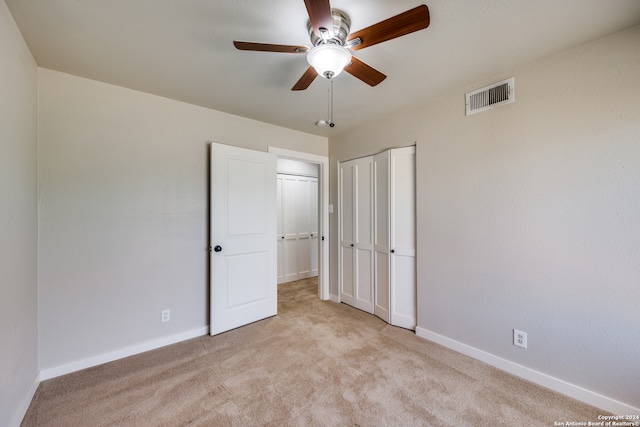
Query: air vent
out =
(491, 96)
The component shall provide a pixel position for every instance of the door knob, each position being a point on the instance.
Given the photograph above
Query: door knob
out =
(393, 251)
(217, 248)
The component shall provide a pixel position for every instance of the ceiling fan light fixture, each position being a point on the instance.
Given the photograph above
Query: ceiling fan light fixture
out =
(328, 59)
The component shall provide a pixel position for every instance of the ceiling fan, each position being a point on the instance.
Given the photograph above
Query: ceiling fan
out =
(332, 42)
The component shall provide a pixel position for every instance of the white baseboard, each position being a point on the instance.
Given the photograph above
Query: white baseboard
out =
(110, 356)
(587, 396)
(21, 410)
(334, 298)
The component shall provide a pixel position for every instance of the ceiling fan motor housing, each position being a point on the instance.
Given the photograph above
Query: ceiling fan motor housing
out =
(331, 52)
(341, 27)
(329, 55)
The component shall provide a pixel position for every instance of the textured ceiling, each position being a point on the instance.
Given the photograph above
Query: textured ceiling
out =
(182, 49)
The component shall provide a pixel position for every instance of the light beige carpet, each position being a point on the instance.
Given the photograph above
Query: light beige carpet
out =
(316, 363)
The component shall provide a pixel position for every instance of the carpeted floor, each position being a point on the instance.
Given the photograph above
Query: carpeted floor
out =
(315, 363)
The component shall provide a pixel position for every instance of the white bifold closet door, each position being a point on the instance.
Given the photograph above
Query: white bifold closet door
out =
(377, 226)
(297, 235)
(395, 231)
(356, 233)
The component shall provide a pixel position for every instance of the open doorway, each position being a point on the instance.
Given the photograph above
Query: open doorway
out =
(297, 237)
(319, 243)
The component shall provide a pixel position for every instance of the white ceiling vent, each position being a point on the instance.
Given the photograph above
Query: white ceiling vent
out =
(492, 96)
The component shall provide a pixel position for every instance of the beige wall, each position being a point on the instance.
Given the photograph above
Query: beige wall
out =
(123, 212)
(528, 215)
(18, 222)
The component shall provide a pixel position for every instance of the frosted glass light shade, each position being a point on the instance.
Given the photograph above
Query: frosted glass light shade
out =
(328, 59)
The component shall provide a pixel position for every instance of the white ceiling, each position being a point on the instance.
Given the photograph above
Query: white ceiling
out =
(182, 49)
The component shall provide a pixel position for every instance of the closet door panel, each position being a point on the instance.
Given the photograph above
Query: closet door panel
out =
(403, 203)
(314, 214)
(403, 231)
(381, 235)
(304, 257)
(346, 230)
(290, 260)
(382, 291)
(364, 203)
(347, 292)
(289, 192)
(364, 234)
(303, 228)
(280, 231)
(364, 290)
(403, 310)
(346, 204)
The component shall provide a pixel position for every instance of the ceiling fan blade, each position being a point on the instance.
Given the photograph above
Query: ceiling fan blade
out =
(400, 25)
(364, 72)
(306, 79)
(320, 16)
(266, 47)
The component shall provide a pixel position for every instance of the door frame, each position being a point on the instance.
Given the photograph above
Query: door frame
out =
(323, 207)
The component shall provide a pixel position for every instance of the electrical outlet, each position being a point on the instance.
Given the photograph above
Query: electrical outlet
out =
(166, 315)
(519, 338)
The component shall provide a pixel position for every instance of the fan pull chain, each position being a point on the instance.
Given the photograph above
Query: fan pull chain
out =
(330, 121)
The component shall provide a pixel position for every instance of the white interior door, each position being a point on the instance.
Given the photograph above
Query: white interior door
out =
(243, 285)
